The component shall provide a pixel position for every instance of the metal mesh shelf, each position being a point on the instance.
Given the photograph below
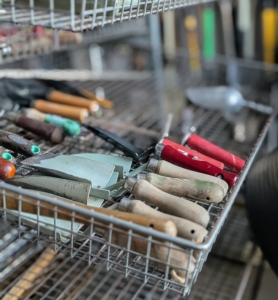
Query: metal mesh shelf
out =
(21, 42)
(79, 15)
(138, 116)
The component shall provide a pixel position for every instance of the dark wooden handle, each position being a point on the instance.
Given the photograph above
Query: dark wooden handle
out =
(186, 229)
(17, 144)
(67, 99)
(70, 112)
(47, 210)
(170, 204)
(167, 169)
(7, 169)
(45, 131)
(205, 191)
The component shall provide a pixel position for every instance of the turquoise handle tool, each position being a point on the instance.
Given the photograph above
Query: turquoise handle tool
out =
(70, 127)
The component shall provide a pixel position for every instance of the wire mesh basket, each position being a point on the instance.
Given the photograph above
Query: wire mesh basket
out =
(150, 255)
(20, 42)
(79, 15)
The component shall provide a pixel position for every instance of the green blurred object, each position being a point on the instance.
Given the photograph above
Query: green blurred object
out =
(70, 127)
(208, 33)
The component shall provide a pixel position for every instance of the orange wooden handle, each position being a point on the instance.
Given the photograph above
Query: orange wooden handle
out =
(101, 101)
(70, 112)
(63, 98)
(7, 169)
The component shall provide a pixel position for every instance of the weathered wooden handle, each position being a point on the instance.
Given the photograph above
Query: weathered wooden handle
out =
(186, 229)
(170, 204)
(46, 131)
(205, 191)
(75, 113)
(165, 168)
(17, 143)
(180, 262)
(67, 99)
(30, 276)
(102, 101)
(47, 209)
(7, 169)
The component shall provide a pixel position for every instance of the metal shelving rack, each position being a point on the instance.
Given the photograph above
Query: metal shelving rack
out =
(80, 15)
(140, 98)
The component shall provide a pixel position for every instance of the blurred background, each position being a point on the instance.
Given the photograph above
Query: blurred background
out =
(156, 55)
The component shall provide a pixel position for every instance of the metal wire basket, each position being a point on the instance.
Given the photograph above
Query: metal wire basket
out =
(20, 42)
(79, 15)
(144, 253)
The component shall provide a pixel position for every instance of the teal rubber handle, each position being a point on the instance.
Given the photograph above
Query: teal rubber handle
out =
(209, 33)
(70, 127)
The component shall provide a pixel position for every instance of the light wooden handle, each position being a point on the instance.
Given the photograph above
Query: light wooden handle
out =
(167, 169)
(47, 210)
(102, 101)
(205, 191)
(170, 204)
(186, 229)
(67, 99)
(179, 260)
(70, 112)
(27, 281)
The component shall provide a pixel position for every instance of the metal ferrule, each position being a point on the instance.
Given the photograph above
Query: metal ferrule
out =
(152, 165)
(142, 176)
(130, 183)
(124, 204)
(185, 138)
(158, 150)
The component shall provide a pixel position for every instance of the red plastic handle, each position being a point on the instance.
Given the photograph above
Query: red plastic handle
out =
(188, 161)
(233, 162)
(181, 148)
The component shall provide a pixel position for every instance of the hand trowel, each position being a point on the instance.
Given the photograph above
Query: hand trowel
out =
(122, 163)
(77, 169)
(73, 190)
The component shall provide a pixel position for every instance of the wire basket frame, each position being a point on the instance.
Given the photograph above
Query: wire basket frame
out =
(20, 42)
(79, 15)
(138, 122)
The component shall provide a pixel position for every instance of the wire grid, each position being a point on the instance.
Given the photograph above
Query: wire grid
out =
(79, 15)
(137, 117)
(20, 42)
(68, 278)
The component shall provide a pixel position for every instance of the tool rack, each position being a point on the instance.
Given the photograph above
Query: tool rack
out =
(140, 100)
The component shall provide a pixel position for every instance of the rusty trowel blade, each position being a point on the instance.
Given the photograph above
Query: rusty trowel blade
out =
(73, 190)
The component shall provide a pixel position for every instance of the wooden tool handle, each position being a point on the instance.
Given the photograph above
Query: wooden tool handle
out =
(186, 229)
(192, 188)
(67, 99)
(45, 131)
(7, 169)
(102, 101)
(47, 210)
(167, 169)
(27, 281)
(75, 113)
(34, 114)
(17, 144)
(179, 260)
(173, 205)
